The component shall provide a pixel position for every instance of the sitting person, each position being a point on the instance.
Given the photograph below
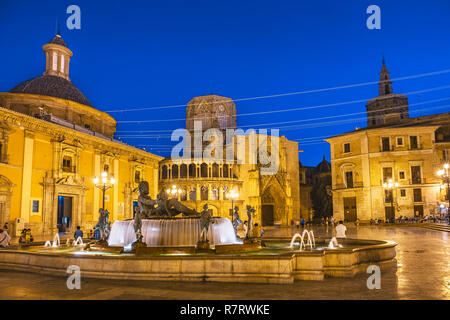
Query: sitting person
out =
(256, 231)
(22, 236)
(28, 236)
(242, 230)
(340, 230)
(4, 238)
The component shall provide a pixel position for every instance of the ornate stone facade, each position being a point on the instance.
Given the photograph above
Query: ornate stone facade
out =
(51, 148)
(407, 150)
(208, 180)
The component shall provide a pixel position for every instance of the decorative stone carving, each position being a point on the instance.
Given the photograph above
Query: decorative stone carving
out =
(250, 213)
(103, 225)
(205, 222)
(236, 220)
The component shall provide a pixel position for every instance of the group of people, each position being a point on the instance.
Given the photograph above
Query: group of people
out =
(256, 232)
(26, 236)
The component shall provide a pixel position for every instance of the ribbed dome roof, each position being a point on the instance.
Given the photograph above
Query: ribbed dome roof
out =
(52, 86)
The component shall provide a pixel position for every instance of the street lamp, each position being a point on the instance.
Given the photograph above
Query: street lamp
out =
(174, 191)
(444, 174)
(232, 195)
(391, 185)
(104, 185)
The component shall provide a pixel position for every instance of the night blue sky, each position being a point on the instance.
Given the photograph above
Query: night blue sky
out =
(133, 54)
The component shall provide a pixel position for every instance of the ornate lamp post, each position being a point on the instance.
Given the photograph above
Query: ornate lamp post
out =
(391, 185)
(444, 174)
(104, 185)
(174, 191)
(232, 195)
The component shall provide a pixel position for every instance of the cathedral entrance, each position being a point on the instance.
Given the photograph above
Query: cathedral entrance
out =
(64, 221)
(267, 217)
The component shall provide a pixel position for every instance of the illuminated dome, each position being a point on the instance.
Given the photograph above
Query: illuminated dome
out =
(52, 86)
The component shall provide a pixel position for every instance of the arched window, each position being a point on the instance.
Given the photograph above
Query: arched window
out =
(183, 171)
(204, 193)
(204, 170)
(183, 196)
(215, 193)
(192, 170)
(225, 190)
(175, 171)
(164, 172)
(215, 170)
(225, 170)
(193, 194)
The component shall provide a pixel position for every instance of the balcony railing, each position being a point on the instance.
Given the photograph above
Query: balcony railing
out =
(71, 169)
(4, 158)
(416, 147)
(201, 178)
(418, 181)
(392, 148)
(357, 184)
(386, 149)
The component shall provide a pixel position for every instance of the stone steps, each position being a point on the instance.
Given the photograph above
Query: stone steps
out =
(437, 227)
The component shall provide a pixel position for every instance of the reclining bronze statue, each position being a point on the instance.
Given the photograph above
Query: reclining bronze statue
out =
(162, 206)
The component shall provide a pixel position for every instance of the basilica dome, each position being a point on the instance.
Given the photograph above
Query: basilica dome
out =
(53, 86)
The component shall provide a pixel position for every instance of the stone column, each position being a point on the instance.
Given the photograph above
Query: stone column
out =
(221, 193)
(26, 175)
(198, 193)
(116, 190)
(155, 183)
(210, 192)
(96, 191)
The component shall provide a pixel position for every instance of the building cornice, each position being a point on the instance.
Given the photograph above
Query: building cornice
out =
(64, 102)
(57, 132)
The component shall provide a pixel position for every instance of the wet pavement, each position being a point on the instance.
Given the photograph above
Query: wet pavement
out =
(423, 272)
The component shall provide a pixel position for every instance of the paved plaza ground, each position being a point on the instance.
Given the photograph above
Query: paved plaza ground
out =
(423, 272)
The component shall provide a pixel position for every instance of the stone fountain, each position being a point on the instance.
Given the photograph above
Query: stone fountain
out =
(157, 224)
(168, 241)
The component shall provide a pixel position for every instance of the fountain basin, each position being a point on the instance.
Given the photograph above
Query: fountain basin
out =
(266, 265)
(171, 232)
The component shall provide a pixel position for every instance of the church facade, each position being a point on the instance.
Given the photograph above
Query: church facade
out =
(53, 142)
(213, 179)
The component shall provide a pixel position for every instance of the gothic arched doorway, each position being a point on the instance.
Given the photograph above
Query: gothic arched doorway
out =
(268, 209)
(273, 204)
